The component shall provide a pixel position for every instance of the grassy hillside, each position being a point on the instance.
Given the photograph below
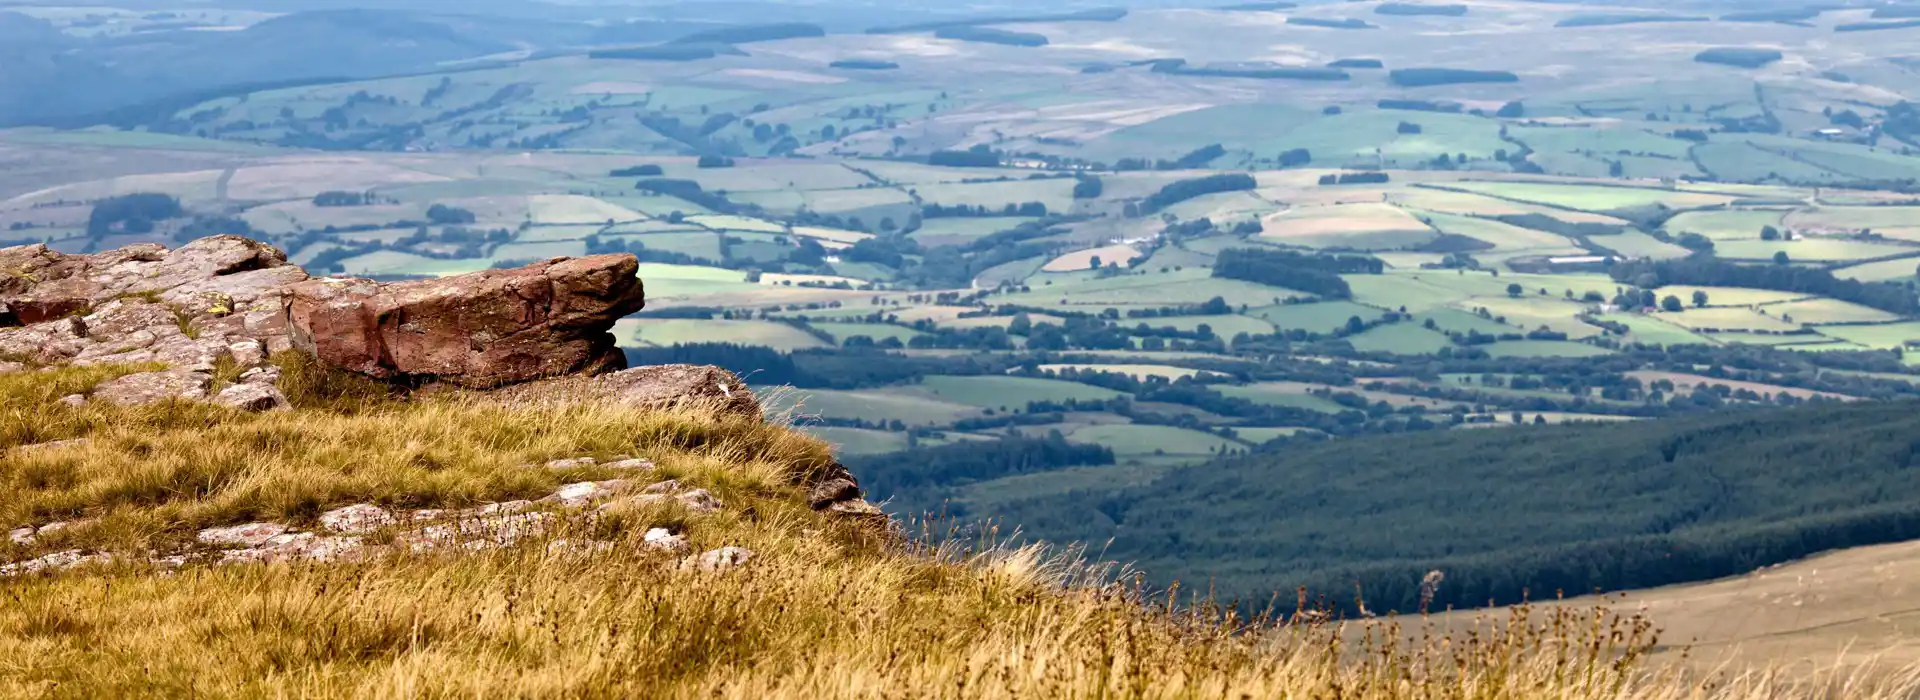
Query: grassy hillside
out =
(824, 609)
(1543, 509)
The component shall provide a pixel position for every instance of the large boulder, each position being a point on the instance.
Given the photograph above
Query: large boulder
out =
(480, 330)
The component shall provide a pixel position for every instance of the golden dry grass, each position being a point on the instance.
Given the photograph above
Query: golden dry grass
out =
(826, 609)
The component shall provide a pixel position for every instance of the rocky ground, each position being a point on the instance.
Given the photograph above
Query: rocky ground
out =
(206, 320)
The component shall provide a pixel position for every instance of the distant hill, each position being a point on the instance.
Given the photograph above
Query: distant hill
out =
(1504, 512)
(52, 77)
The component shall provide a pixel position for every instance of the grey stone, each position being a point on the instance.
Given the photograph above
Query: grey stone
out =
(154, 387)
(249, 535)
(664, 540)
(357, 519)
(718, 560)
(258, 398)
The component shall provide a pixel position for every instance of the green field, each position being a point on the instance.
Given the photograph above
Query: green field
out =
(959, 231)
(1189, 286)
(1821, 311)
(393, 262)
(1653, 331)
(857, 441)
(1319, 317)
(871, 405)
(1400, 339)
(674, 331)
(1008, 393)
(1883, 271)
(1224, 326)
(1890, 335)
(1736, 224)
(1728, 319)
(1810, 250)
(1594, 198)
(1142, 440)
(1458, 321)
(1729, 296)
(1634, 244)
(1056, 194)
(1257, 436)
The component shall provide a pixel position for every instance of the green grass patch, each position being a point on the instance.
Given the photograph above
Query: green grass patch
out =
(1736, 224)
(1810, 250)
(1140, 440)
(1891, 335)
(676, 331)
(1400, 339)
(1320, 317)
(1008, 393)
(881, 405)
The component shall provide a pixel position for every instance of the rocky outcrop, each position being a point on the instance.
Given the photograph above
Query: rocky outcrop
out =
(480, 330)
(227, 300)
(214, 301)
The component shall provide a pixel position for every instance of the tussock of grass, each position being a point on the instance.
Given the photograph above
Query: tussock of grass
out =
(827, 608)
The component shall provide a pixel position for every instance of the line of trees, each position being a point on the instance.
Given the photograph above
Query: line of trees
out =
(1314, 274)
(1709, 272)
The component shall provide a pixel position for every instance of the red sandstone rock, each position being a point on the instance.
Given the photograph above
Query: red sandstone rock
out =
(479, 330)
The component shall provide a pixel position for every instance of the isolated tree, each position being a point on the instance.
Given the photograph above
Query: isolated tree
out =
(1671, 303)
(1699, 299)
(1781, 258)
(1769, 233)
(1020, 325)
(1515, 290)
(1096, 262)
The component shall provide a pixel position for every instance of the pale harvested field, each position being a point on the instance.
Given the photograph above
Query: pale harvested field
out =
(286, 217)
(1339, 219)
(297, 179)
(1472, 204)
(940, 315)
(784, 76)
(612, 87)
(1686, 382)
(1819, 311)
(190, 186)
(1140, 372)
(1083, 260)
(781, 278)
(1392, 399)
(577, 209)
(835, 235)
(1729, 319)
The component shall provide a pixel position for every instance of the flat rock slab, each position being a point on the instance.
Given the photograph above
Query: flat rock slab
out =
(479, 330)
